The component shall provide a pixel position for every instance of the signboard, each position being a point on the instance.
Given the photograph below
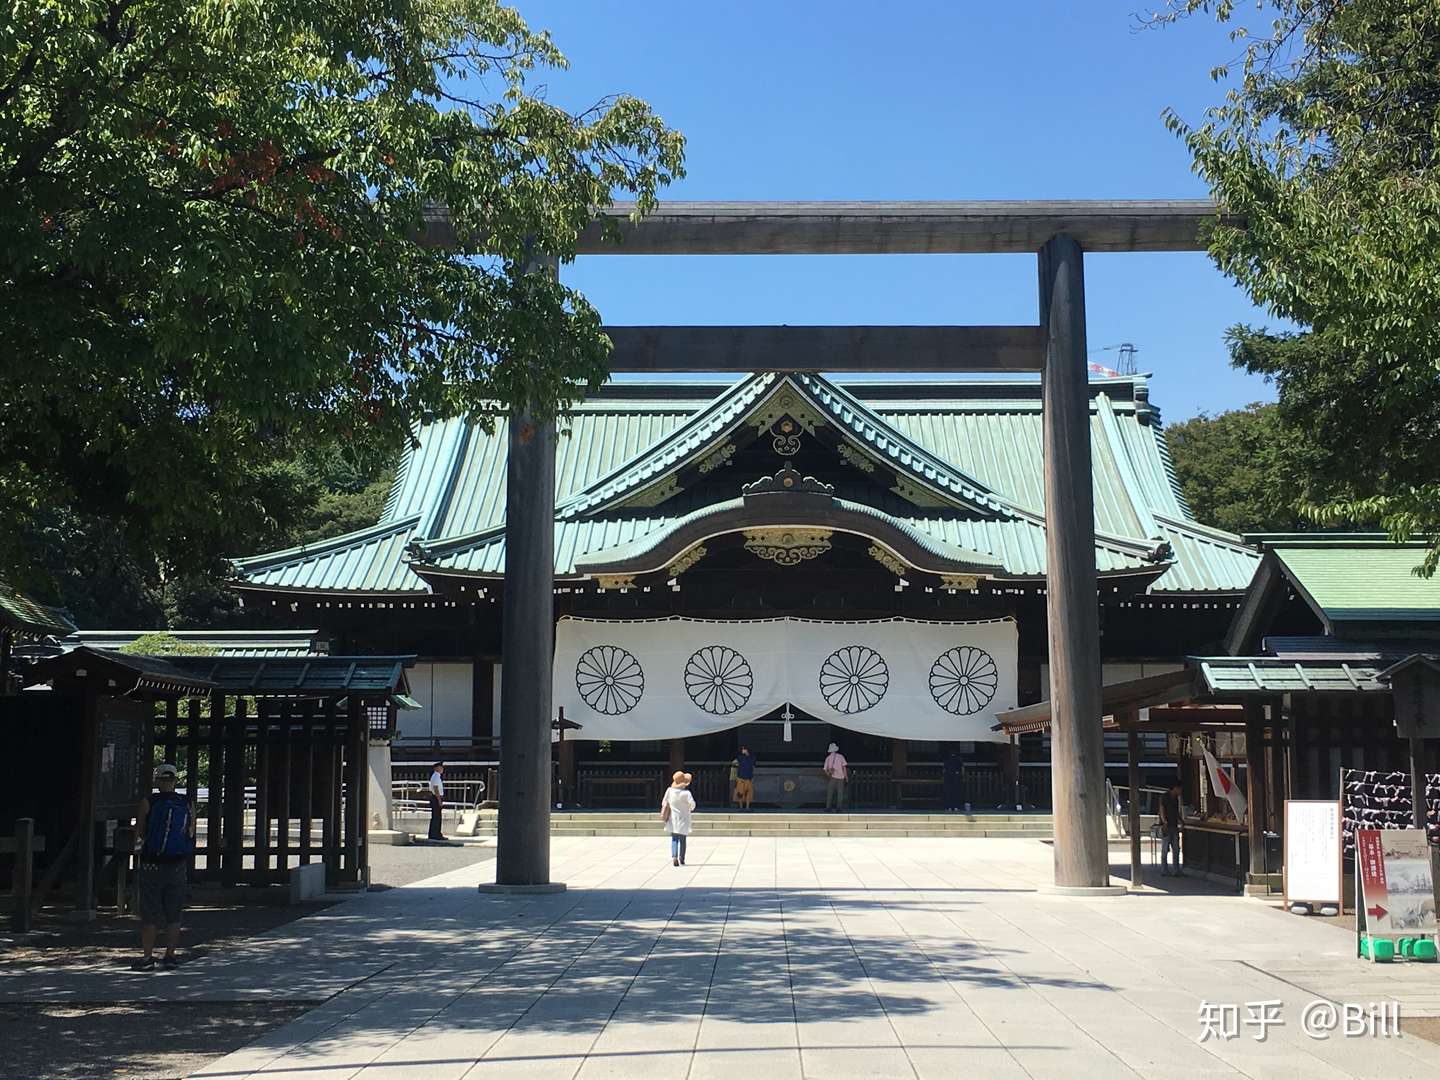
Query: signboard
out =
(1313, 847)
(1416, 692)
(1396, 886)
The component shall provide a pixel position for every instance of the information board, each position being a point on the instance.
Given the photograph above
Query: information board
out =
(1396, 883)
(1313, 846)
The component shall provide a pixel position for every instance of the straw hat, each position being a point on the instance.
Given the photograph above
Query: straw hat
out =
(680, 778)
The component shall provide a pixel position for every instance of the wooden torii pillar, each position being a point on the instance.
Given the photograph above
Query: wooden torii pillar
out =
(527, 642)
(1077, 744)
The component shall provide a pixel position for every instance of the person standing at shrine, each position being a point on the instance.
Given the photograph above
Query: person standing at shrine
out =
(1170, 821)
(436, 794)
(953, 775)
(745, 778)
(675, 810)
(837, 772)
(166, 827)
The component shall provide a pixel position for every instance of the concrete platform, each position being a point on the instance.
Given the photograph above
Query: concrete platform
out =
(815, 823)
(793, 957)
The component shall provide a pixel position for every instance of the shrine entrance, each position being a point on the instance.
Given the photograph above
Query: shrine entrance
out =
(1058, 233)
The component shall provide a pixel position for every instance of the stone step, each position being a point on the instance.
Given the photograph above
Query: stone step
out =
(799, 818)
(812, 833)
(905, 830)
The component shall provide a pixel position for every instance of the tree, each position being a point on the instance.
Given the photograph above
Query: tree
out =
(1325, 155)
(1238, 469)
(214, 260)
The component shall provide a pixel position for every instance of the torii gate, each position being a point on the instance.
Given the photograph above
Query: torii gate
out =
(1059, 233)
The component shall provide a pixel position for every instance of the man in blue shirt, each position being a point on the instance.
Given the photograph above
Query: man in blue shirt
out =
(744, 778)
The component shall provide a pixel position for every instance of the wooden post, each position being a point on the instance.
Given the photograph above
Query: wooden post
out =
(1132, 762)
(232, 855)
(215, 785)
(357, 795)
(899, 758)
(677, 757)
(89, 784)
(264, 711)
(567, 769)
(1417, 782)
(24, 873)
(528, 629)
(1072, 607)
(124, 848)
(1011, 766)
(1255, 781)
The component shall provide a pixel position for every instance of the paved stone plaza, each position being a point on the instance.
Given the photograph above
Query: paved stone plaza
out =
(787, 958)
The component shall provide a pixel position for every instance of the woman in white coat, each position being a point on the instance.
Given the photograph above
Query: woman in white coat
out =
(675, 810)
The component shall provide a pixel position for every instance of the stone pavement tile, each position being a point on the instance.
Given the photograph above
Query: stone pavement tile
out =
(539, 1066)
(857, 1063)
(758, 1061)
(1072, 1064)
(642, 1064)
(947, 1062)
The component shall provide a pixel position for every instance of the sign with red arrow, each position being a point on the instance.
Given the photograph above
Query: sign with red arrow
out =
(1396, 887)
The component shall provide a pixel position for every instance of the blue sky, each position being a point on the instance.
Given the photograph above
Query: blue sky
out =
(801, 99)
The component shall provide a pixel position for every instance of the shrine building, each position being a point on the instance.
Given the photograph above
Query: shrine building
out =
(782, 561)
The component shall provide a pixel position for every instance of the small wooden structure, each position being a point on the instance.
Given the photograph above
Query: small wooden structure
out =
(272, 750)
(78, 755)
(23, 617)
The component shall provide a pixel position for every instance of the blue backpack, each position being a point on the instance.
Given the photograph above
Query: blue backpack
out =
(167, 829)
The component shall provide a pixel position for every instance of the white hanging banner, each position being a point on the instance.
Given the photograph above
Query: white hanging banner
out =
(670, 678)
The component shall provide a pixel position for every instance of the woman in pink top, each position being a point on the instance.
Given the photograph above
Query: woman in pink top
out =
(837, 771)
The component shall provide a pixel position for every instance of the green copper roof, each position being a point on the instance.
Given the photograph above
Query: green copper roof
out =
(973, 448)
(1353, 579)
(1269, 675)
(21, 614)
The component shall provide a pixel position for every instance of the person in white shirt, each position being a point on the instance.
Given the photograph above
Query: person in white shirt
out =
(436, 793)
(675, 810)
(837, 772)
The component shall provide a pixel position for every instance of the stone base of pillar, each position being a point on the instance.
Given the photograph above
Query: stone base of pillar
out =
(524, 890)
(1081, 892)
(381, 810)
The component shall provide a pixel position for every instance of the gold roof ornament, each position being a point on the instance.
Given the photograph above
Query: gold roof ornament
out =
(786, 546)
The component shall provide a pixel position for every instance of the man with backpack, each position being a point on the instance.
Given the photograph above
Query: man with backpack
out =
(167, 832)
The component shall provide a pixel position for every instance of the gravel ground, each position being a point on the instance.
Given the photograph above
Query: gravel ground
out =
(391, 867)
(158, 1042)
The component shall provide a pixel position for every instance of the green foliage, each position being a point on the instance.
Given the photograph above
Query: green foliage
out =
(1237, 469)
(214, 261)
(1325, 152)
(163, 644)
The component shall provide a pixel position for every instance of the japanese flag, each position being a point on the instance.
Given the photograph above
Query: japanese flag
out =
(1220, 781)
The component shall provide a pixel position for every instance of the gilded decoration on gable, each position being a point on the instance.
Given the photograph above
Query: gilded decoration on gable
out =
(856, 458)
(887, 559)
(914, 493)
(655, 494)
(787, 480)
(615, 581)
(787, 437)
(787, 547)
(959, 582)
(686, 561)
(787, 403)
(720, 456)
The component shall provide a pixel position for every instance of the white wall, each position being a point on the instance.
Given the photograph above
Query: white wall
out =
(446, 690)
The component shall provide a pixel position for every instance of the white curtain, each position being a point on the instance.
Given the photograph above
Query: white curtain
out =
(669, 678)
